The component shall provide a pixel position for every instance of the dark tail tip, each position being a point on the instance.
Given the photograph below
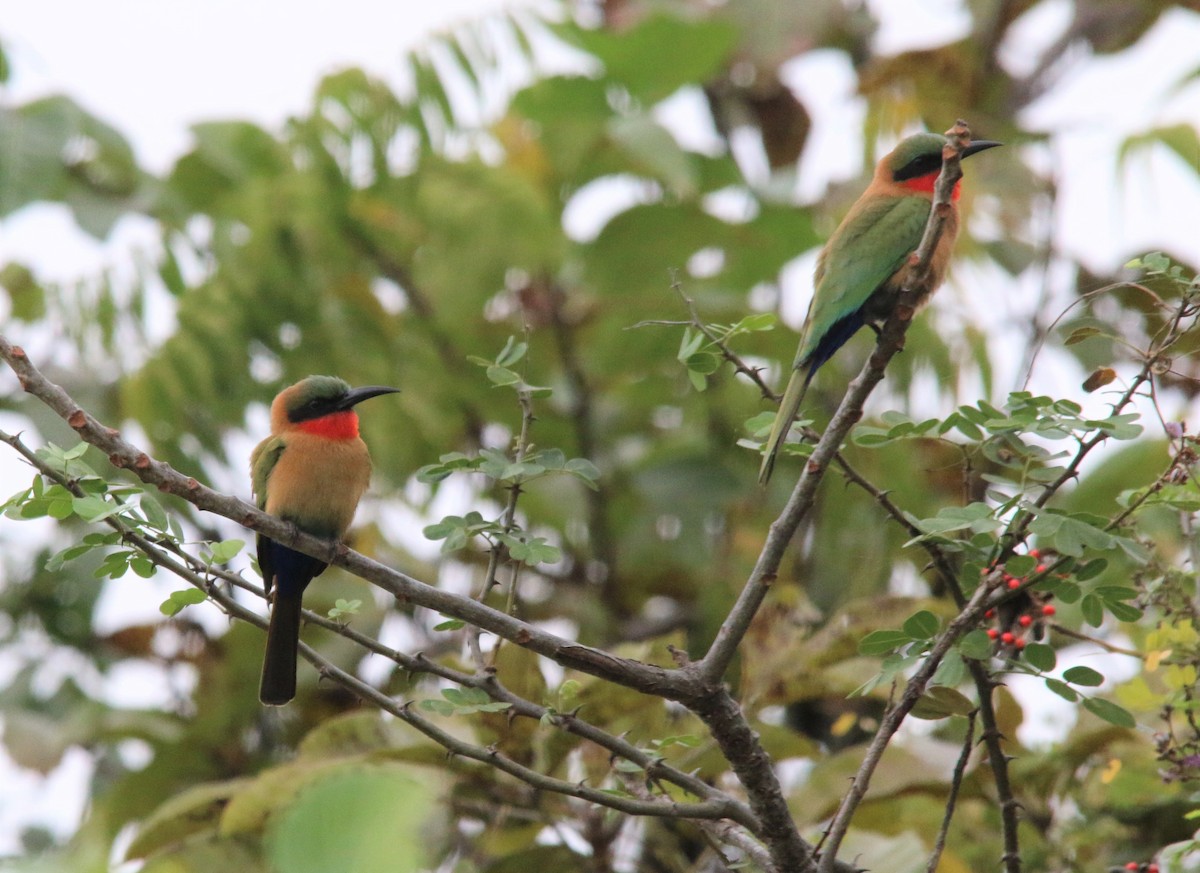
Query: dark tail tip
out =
(278, 684)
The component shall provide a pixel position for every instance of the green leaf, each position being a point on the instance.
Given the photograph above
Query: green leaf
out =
(951, 671)
(343, 608)
(512, 352)
(94, 508)
(143, 566)
(636, 57)
(177, 601)
(225, 551)
(502, 376)
(1091, 569)
(450, 624)
(761, 321)
(350, 817)
(1062, 689)
(976, 645)
(705, 363)
(1080, 334)
(155, 515)
(1093, 609)
(1083, 676)
(881, 642)
(583, 468)
(922, 625)
(1124, 611)
(941, 702)
(653, 149)
(1184, 141)
(1110, 712)
(1020, 566)
(1040, 656)
(464, 701)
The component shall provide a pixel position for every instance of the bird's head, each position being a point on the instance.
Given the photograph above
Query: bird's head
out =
(322, 405)
(916, 161)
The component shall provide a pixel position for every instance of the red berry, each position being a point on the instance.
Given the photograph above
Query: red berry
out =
(993, 633)
(1153, 868)
(1020, 643)
(1132, 865)
(1007, 637)
(1041, 568)
(1014, 583)
(1049, 609)
(991, 613)
(1025, 620)
(1035, 553)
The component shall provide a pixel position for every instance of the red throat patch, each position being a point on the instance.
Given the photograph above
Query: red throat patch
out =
(924, 184)
(337, 426)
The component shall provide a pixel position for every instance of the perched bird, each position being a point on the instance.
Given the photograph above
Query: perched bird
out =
(866, 262)
(311, 471)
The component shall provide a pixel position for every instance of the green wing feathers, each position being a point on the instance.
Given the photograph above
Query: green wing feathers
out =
(865, 251)
(262, 461)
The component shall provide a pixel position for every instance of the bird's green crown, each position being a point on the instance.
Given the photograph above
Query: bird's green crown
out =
(916, 155)
(315, 396)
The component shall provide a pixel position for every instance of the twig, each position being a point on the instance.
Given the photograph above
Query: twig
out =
(507, 519)
(196, 572)
(998, 763)
(1107, 646)
(709, 700)
(960, 767)
(734, 810)
(966, 620)
(754, 374)
(651, 679)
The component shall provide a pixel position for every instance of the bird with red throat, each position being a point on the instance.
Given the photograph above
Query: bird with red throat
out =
(865, 263)
(312, 471)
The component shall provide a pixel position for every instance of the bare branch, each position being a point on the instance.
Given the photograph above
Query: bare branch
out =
(654, 767)
(956, 779)
(658, 681)
(998, 762)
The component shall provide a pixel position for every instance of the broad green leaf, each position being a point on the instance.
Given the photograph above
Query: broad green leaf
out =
(940, 701)
(976, 645)
(922, 625)
(1109, 711)
(1083, 676)
(882, 641)
(1040, 656)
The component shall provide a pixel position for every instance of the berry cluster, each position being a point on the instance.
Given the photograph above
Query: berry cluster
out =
(1024, 614)
(1135, 867)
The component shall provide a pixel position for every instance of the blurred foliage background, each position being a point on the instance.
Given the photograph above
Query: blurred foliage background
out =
(535, 180)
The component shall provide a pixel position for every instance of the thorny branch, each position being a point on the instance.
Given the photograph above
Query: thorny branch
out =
(960, 767)
(716, 804)
(768, 816)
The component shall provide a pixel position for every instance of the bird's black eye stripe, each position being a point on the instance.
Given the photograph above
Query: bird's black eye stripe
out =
(310, 409)
(919, 166)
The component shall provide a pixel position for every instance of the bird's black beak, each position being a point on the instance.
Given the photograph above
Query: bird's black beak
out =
(358, 395)
(979, 145)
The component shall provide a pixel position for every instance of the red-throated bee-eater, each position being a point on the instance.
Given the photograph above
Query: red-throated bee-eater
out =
(866, 262)
(311, 471)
